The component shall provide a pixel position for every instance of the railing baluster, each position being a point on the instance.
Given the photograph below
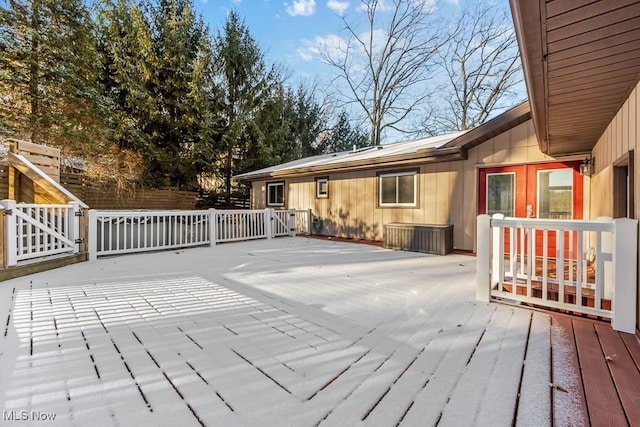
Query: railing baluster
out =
(599, 291)
(545, 264)
(579, 256)
(530, 259)
(560, 264)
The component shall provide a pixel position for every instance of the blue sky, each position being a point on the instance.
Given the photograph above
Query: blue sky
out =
(288, 31)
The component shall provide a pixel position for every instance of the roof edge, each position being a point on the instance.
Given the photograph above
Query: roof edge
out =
(489, 129)
(426, 155)
(528, 23)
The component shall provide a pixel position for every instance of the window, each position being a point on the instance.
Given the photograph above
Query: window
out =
(398, 189)
(322, 188)
(500, 193)
(275, 194)
(555, 194)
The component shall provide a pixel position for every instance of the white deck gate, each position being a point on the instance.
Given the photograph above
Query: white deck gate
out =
(36, 230)
(119, 232)
(594, 263)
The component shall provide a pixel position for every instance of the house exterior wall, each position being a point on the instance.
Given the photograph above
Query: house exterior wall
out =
(447, 191)
(621, 136)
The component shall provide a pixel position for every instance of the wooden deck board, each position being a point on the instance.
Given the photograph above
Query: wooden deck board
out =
(633, 346)
(624, 371)
(499, 355)
(534, 405)
(569, 405)
(603, 404)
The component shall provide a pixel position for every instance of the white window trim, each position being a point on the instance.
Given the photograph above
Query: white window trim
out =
(269, 186)
(573, 188)
(397, 174)
(318, 181)
(486, 190)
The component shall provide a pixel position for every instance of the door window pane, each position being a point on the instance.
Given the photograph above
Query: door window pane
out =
(500, 194)
(555, 194)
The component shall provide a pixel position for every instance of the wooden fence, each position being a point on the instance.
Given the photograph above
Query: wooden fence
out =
(103, 196)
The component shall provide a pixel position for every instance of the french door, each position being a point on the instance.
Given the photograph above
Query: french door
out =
(545, 191)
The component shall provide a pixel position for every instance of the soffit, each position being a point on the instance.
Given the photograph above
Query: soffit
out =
(581, 61)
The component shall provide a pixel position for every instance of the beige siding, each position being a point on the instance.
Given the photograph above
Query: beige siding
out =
(621, 136)
(447, 191)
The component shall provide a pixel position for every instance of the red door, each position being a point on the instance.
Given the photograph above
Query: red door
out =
(546, 190)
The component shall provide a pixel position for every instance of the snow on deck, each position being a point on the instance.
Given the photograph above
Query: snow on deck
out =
(277, 332)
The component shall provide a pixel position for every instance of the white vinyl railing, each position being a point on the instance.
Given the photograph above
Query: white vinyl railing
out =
(235, 225)
(36, 230)
(303, 221)
(118, 232)
(581, 266)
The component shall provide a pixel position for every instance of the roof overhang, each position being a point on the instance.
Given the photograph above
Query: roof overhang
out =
(581, 61)
(428, 155)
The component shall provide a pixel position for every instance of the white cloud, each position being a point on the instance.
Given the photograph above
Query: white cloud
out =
(302, 8)
(453, 2)
(331, 45)
(337, 6)
(236, 1)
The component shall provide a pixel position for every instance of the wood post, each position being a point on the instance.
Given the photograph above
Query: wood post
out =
(483, 258)
(309, 219)
(625, 281)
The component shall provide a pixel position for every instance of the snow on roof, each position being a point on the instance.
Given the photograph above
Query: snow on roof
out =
(363, 154)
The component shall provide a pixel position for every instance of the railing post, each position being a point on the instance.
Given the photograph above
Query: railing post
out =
(624, 275)
(497, 251)
(268, 222)
(309, 219)
(93, 235)
(292, 222)
(10, 233)
(213, 222)
(483, 258)
(74, 225)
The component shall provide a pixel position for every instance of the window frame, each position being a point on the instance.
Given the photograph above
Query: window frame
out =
(397, 174)
(320, 179)
(513, 189)
(273, 185)
(538, 188)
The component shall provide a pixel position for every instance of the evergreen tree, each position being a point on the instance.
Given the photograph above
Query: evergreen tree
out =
(49, 72)
(241, 76)
(344, 137)
(129, 62)
(183, 128)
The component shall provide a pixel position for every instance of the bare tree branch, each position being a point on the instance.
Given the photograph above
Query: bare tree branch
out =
(482, 68)
(385, 67)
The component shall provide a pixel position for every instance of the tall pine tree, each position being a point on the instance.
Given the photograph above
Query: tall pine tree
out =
(241, 75)
(49, 70)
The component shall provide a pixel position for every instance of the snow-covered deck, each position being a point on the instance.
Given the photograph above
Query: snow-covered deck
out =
(287, 332)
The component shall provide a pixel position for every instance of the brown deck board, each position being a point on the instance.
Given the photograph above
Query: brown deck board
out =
(603, 403)
(569, 407)
(624, 371)
(633, 345)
